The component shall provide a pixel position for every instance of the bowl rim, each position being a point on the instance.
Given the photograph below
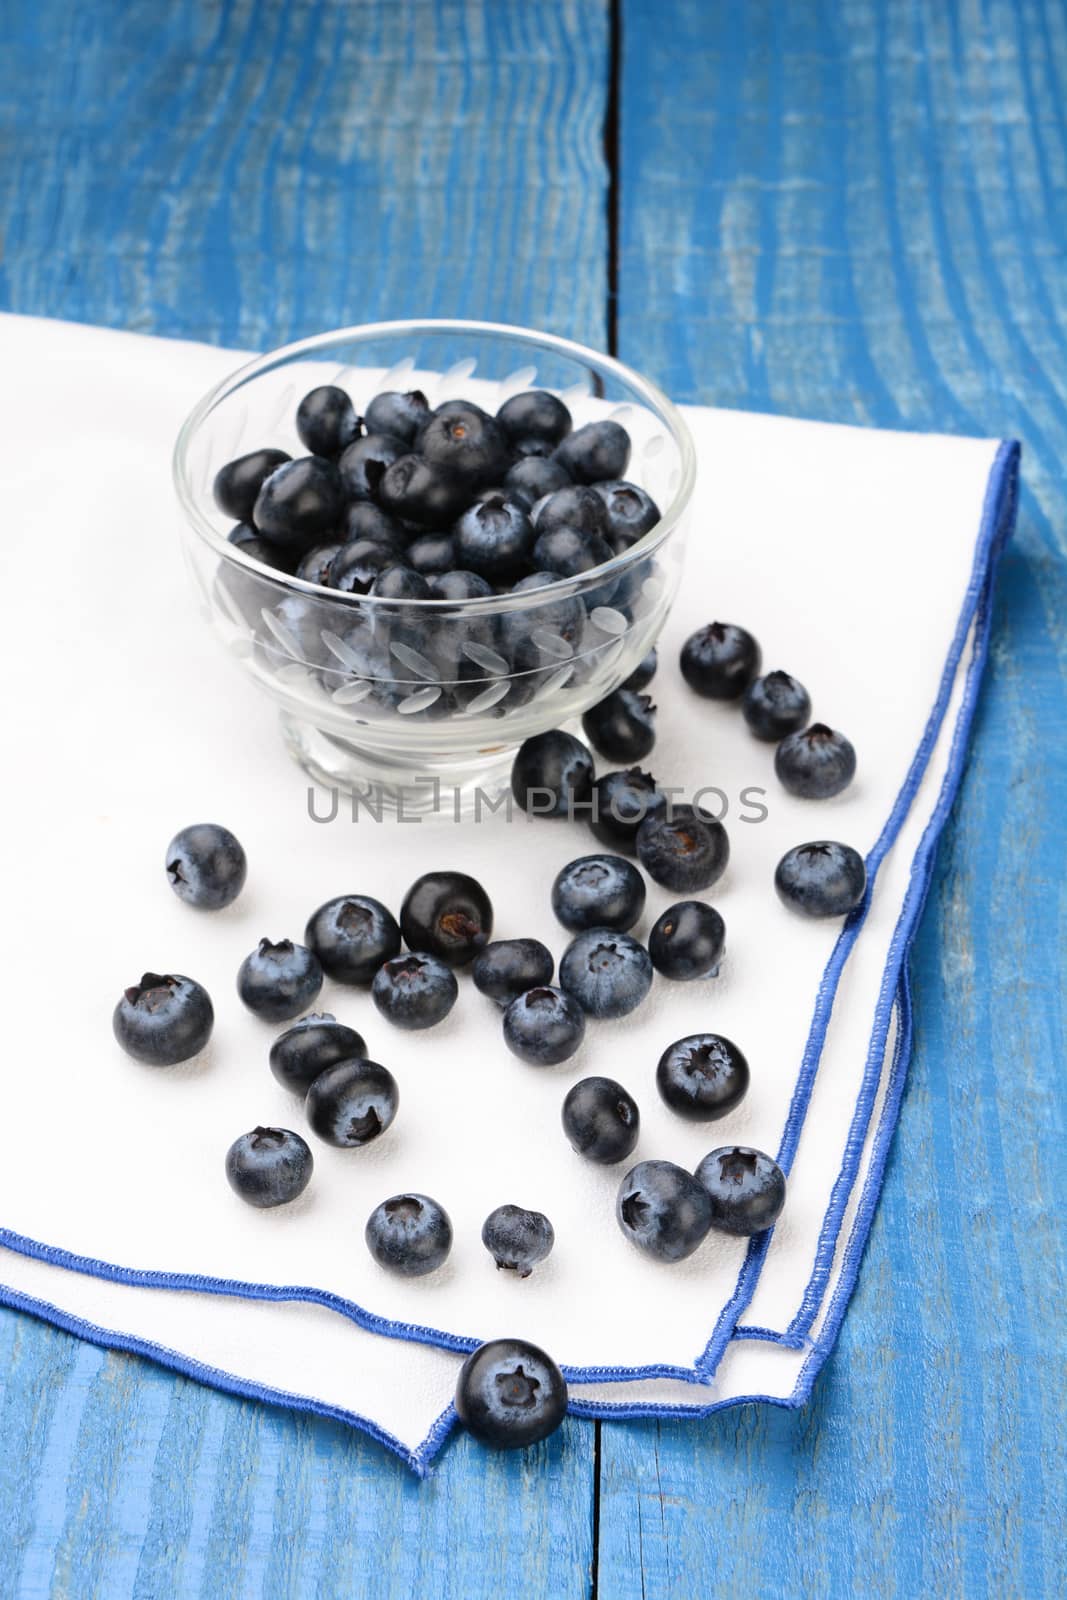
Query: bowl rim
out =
(495, 603)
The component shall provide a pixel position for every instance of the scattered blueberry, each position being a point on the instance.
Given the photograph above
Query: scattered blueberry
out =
(544, 1026)
(508, 967)
(510, 1394)
(596, 453)
(466, 444)
(409, 1234)
(326, 420)
(269, 1166)
(644, 672)
(422, 492)
(238, 483)
(414, 991)
(687, 941)
(622, 727)
(364, 464)
(449, 914)
(608, 973)
(432, 553)
(206, 866)
(663, 1210)
(816, 763)
(163, 1019)
(776, 705)
(601, 1120)
(746, 1188)
(278, 981)
(494, 538)
(315, 566)
(631, 513)
(400, 415)
(517, 1239)
(601, 891)
(552, 774)
(299, 502)
(535, 418)
(683, 850)
(720, 661)
(821, 879)
(352, 1102)
(316, 1042)
(574, 506)
(703, 1077)
(622, 802)
(352, 936)
(532, 478)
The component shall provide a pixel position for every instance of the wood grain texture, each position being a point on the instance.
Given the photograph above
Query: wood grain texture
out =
(859, 213)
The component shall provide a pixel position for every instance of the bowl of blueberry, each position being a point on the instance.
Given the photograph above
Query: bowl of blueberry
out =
(428, 542)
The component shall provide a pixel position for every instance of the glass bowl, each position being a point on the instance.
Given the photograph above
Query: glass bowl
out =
(400, 702)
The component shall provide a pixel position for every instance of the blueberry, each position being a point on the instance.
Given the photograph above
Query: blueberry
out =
(326, 420)
(269, 1166)
(401, 415)
(631, 513)
(622, 802)
(563, 616)
(552, 774)
(466, 444)
(532, 478)
(206, 866)
(600, 891)
(687, 941)
(364, 464)
(570, 552)
(720, 661)
(163, 1019)
(816, 763)
(601, 1120)
(315, 566)
(821, 879)
(357, 564)
(644, 672)
(238, 483)
(278, 981)
(299, 502)
(246, 538)
(449, 914)
(409, 1234)
(316, 1042)
(746, 1188)
(510, 1394)
(400, 583)
(775, 705)
(622, 727)
(535, 416)
(494, 538)
(365, 520)
(352, 936)
(508, 967)
(352, 1102)
(422, 492)
(608, 973)
(683, 850)
(702, 1077)
(432, 553)
(663, 1210)
(414, 991)
(517, 1239)
(572, 507)
(598, 452)
(544, 1026)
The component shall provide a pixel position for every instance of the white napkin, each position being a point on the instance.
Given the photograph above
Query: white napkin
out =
(851, 554)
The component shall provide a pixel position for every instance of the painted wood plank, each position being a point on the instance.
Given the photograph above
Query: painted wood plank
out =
(858, 213)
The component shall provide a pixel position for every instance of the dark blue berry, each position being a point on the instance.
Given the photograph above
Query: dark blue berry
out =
(746, 1189)
(163, 1019)
(575, 506)
(601, 1120)
(821, 879)
(687, 941)
(720, 661)
(401, 415)
(596, 453)
(246, 538)
(510, 1394)
(631, 513)
(357, 564)
(644, 672)
(508, 967)
(562, 616)
(775, 705)
(352, 936)
(364, 464)
(535, 416)
(409, 1234)
(414, 991)
(621, 802)
(816, 763)
(269, 1166)
(494, 538)
(422, 492)
(622, 727)
(517, 1239)
(683, 850)
(600, 891)
(448, 914)
(238, 483)
(544, 1026)
(570, 553)
(458, 586)
(299, 503)
(400, 583)
(432, 553)
(552, 774)
(316, 1042)
(608, 973)
(466, 444)
(352, 1102)
(365, 520)
(326, 420)
(315, 566)
(278, 981)
(532, 478)
(702, 1077)
(663, 1210)
(206, 866)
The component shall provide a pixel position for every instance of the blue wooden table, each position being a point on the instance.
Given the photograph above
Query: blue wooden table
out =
(854, 212)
